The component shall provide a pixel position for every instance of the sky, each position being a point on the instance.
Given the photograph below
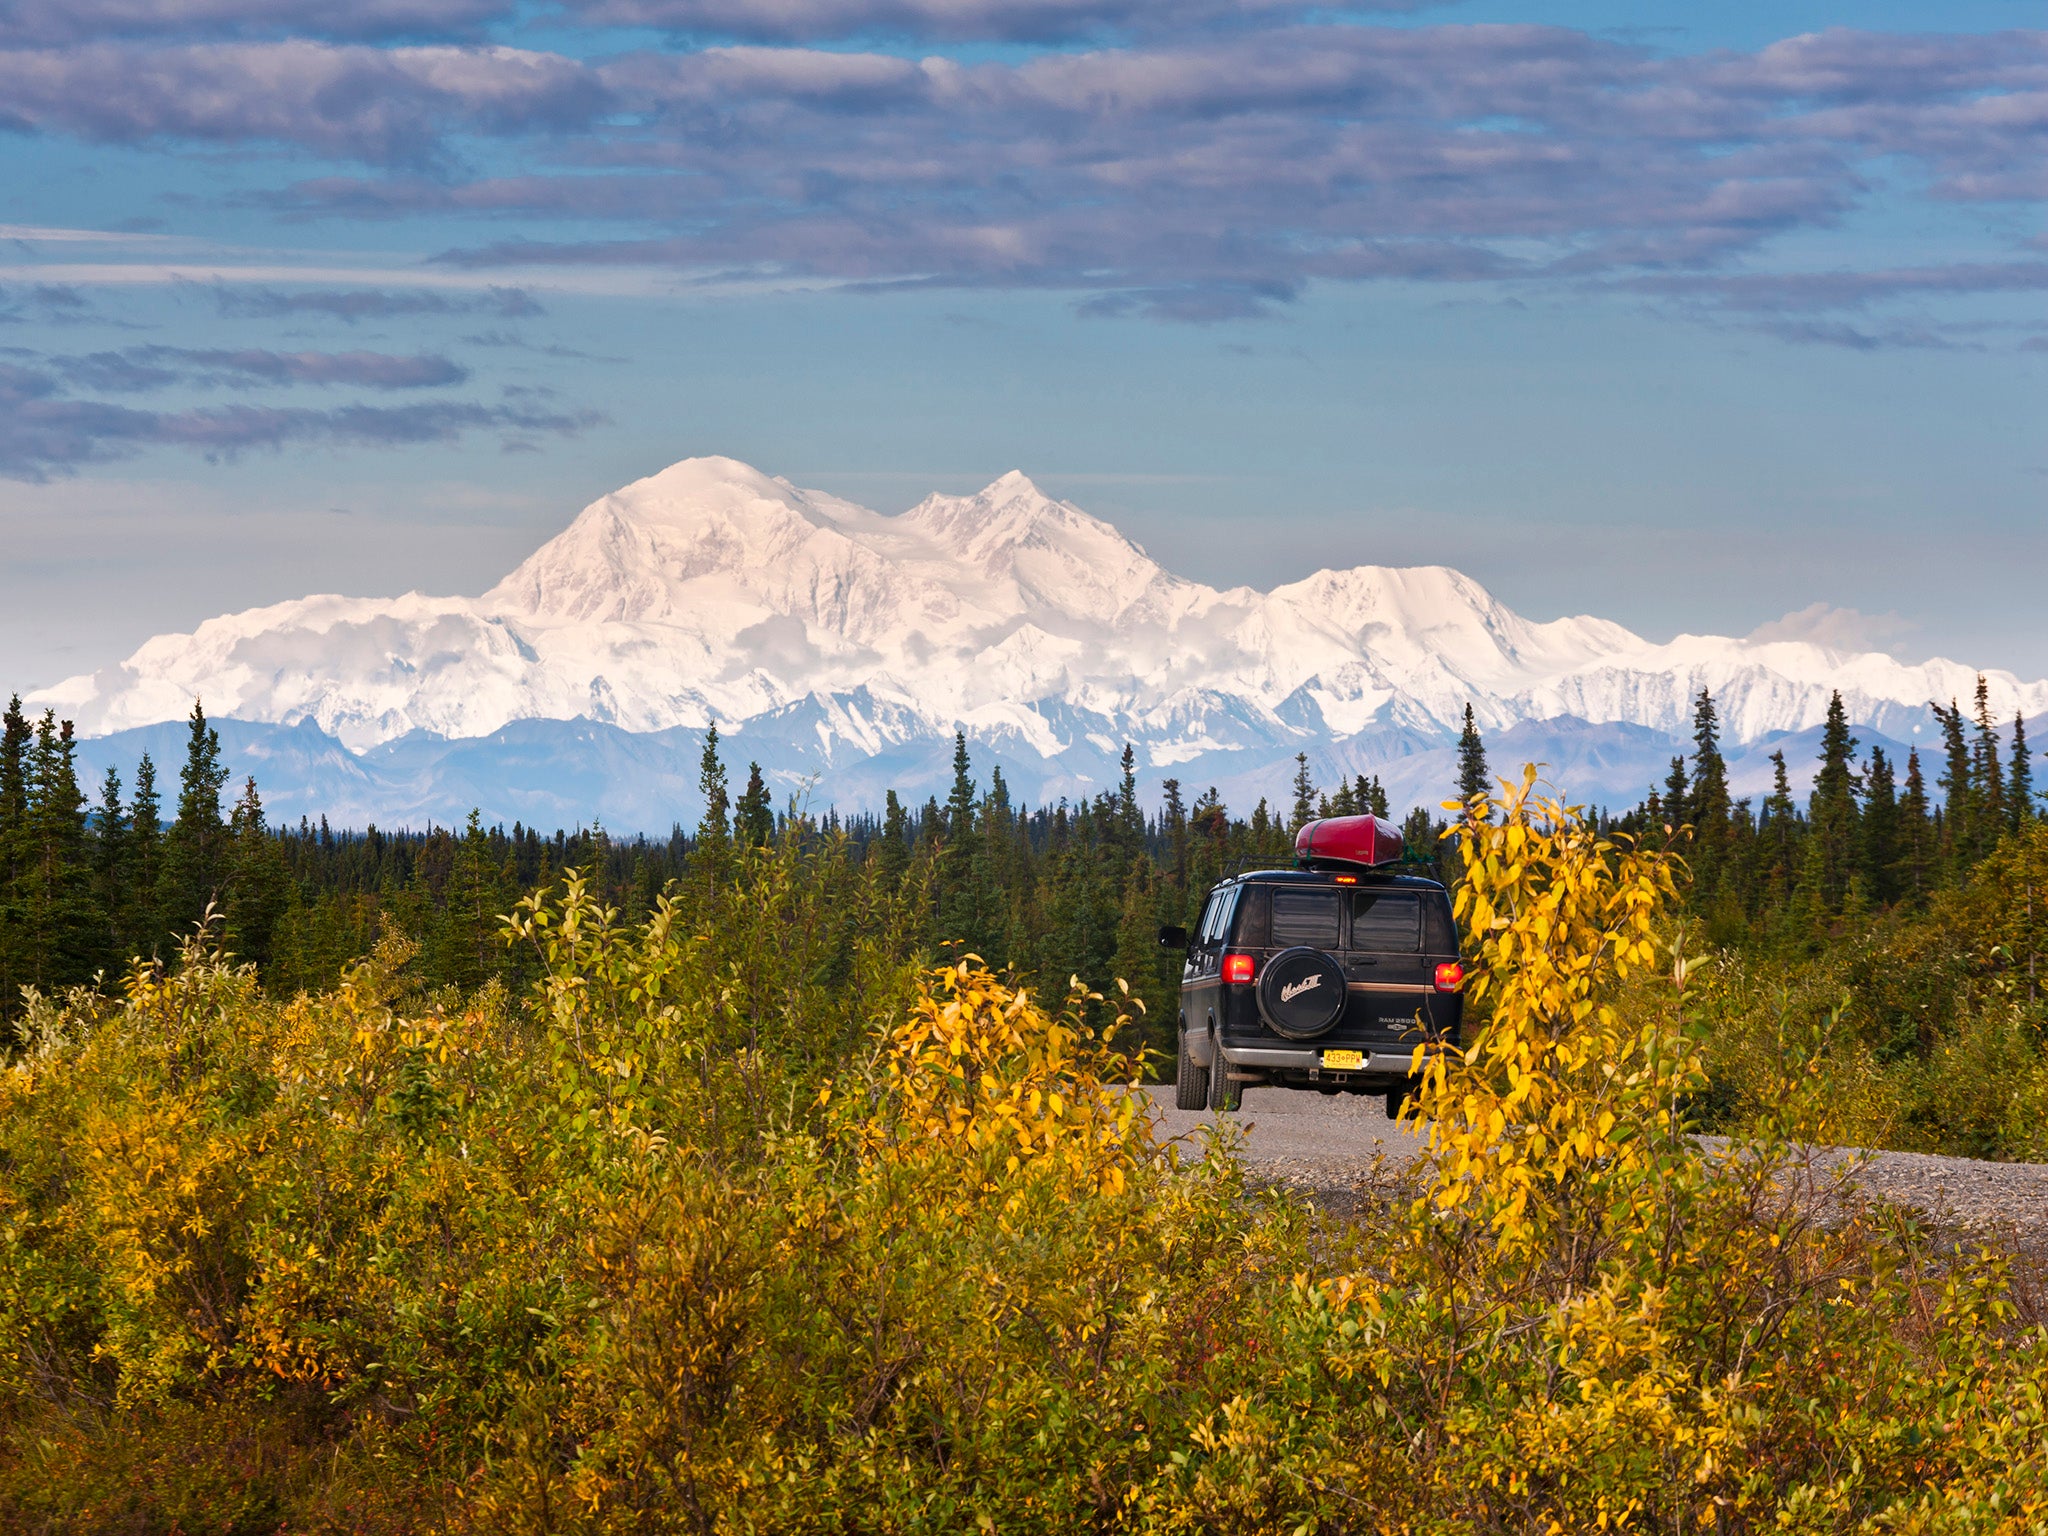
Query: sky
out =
(1717, 318)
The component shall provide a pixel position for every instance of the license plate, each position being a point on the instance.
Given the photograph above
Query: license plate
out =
(1343, 1061)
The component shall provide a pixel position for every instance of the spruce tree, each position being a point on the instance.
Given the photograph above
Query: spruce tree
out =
(1130, 820)
(465, 949)
(1987, 776)
(1304, 796)
(110, 861)
(1176, 839)
(1914, 871)
(258, 887)
(143, 870)
(195, 861)
(1708, 808)
(15, 739)
(891, 850)
(1833, 831)
(1473, 779)
(2019, 792)
(1778, 835)
(714, 829)
(1677, 794)
(1959, 789)
(960, 800)
(1880, 854)
(754, 816)
(64, 927)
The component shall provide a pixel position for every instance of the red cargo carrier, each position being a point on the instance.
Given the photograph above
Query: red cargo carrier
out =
(1364, 841)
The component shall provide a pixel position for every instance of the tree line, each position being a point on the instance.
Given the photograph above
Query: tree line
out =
(1074, 888)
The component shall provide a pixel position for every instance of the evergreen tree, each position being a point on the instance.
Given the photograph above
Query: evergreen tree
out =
(1832, 816)
(1372, 797)
(143, 935)
(1916, 835)
(465, 949)
(1881, 851)
(195, 859)
(1473, 778)
(1130, 820)
(1677, 794)
(1958, 787)
(1708, 808)
(64, 927)
(1176, 840)
(1304, 796)
(15, 738)
(960, 801)
(1987, 777)
(754, 816)
(714, 829)
(2019, 793)
(258, 887)
(891, 851)
(1778, 833)
(110, 865)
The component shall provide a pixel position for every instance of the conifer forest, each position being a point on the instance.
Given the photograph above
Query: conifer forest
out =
(788, 1174)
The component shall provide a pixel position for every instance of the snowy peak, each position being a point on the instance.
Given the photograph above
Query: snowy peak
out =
(1056, 555)
(713, 591)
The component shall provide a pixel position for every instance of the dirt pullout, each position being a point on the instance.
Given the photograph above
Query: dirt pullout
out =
(1340, 1148)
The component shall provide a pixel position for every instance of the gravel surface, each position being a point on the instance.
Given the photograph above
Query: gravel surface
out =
(1339, 1147)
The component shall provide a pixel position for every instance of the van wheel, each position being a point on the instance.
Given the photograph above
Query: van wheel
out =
(1225, 1093)
(1396, 1097)
(1191, 1079)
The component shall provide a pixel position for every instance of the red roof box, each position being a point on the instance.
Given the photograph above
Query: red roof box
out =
(1361, 840)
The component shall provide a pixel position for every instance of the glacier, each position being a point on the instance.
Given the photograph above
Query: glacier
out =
(842, 647)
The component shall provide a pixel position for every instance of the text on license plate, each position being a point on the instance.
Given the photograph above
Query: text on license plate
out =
(1339, 1061)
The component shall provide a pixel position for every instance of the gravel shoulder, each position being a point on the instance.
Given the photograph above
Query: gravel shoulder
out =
(1337, 1147)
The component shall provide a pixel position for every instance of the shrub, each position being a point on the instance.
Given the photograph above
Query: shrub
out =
(747, 1220)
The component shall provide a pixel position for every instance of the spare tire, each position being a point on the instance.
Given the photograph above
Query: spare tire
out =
(1301, 993)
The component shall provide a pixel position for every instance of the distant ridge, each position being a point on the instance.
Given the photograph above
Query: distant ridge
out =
(840, 646)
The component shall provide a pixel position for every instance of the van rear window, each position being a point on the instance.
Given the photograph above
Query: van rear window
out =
(1305, 917)
(1387, 921)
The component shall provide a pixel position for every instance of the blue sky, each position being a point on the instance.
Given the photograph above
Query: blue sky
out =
(1691, 316)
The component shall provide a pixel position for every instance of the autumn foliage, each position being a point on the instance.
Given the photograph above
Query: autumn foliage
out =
(751, 1218)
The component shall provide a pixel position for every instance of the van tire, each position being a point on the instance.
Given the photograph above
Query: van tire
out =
(1225, 1092)
(1191, 1079)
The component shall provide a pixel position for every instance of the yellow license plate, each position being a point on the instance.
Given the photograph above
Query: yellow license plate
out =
(1343, 1061)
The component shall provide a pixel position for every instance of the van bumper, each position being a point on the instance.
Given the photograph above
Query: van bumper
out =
(1310, 1059)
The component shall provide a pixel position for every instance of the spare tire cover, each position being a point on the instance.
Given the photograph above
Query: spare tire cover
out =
(1301, 993)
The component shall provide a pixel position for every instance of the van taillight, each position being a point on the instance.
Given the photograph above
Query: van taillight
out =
(1239, 968)
(1450, 976)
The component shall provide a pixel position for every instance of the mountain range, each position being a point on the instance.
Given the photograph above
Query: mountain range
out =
(842, 647)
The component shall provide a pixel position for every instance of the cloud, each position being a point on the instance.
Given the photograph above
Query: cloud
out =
(136, 369)
(1015, 21)
(383, 106)
(46, 433)
(50, 303)
(353, 304)
(1207, 173)
(1839, 629)
(46, 23)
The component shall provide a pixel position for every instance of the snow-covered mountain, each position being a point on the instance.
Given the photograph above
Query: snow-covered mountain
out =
(841, 646)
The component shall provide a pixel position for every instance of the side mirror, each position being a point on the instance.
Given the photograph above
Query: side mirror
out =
(1173, 936)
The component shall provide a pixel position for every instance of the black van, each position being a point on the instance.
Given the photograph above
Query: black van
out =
(1313, 978)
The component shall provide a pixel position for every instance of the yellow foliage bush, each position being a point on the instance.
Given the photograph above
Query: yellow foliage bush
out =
(747, 1219)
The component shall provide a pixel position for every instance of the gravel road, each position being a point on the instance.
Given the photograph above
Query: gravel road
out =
(1331, 1146)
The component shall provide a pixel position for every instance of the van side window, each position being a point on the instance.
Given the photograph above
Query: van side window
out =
(1249, 932)
(1305, 917)
(1440, 935)
(1387, 921)
(1216, 921)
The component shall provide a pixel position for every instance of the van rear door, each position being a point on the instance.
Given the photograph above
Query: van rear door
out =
(1389, 975)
